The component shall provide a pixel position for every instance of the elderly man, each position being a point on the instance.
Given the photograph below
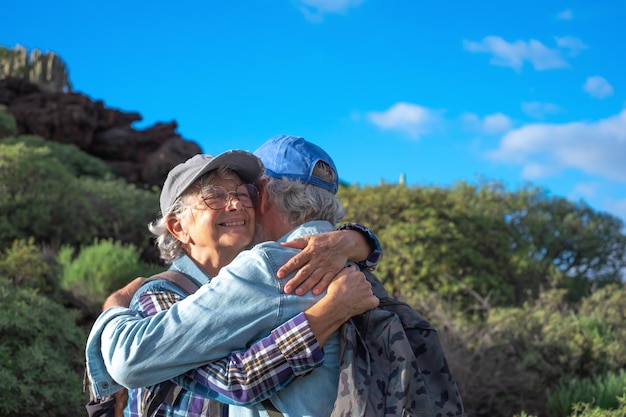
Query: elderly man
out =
(245, 301)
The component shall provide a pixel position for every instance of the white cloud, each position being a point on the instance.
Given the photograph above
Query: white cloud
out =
(565, 15)
(598, 87)
(408, 118)
(572, 44)
(314, 10)
(539, 110)
(497, 122)
(597, 148)
(514, 54)
(492, 123)
(534, 170)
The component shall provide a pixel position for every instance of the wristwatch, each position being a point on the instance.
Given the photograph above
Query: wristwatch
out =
(371, 262)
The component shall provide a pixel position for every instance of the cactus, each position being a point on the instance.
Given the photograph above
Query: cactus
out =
(13, 62)
(47, 70)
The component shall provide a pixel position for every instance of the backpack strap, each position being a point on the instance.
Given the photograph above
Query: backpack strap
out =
(217, 409)
(271, 409)
(179, 279)
(167, 391)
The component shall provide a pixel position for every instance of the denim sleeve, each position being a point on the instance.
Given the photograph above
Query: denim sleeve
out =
(102, 383)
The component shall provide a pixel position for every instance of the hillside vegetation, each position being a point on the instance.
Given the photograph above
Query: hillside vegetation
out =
(525, 288)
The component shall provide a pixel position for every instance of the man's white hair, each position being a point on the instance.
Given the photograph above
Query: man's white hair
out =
(305, 202)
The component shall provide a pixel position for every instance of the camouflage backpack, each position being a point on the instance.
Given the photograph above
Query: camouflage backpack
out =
(392, 364)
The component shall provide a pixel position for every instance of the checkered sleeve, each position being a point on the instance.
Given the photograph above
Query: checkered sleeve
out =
(248, 377)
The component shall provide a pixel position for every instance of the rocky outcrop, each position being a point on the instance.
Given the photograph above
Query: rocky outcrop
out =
(46, 69)
(140, 156)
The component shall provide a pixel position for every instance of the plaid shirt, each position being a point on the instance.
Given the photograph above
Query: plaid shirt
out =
(246, 377)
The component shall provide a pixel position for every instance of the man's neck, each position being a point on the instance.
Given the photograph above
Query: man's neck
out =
(273, 226)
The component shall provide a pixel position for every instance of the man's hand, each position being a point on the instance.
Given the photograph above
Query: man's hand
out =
(123, 296)
(323, 256)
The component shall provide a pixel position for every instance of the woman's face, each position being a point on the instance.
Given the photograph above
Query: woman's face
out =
(223, 232)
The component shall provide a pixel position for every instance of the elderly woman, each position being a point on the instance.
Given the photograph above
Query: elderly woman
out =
(208, 207)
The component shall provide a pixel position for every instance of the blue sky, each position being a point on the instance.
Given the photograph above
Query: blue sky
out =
(518, 92)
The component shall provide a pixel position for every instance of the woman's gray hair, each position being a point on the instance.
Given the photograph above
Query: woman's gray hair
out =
(171, 248)
(306, 202)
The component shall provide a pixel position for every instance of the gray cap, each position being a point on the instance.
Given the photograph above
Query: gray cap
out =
(182, 176)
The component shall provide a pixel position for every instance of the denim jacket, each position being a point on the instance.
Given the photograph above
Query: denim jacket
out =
(242, 304)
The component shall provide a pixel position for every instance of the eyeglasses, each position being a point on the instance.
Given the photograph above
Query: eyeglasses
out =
(218, 197)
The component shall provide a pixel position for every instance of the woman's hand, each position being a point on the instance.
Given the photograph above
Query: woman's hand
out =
(348, 295)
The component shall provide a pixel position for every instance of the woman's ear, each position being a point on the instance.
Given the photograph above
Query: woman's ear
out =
(175, 227)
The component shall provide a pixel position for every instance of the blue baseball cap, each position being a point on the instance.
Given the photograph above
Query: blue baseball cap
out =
(294, 158)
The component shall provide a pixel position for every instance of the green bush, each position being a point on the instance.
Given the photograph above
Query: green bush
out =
(41, 356)
(560, 340)
(36, 195)
(100, 268)
(77, 162)
(602, 391)
(22, 266)
(589, 410)
(486, 240)
(507, 362)
(8, 127)
(121, 211)
(43, 198)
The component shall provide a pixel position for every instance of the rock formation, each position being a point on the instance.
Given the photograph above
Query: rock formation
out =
(142, 157)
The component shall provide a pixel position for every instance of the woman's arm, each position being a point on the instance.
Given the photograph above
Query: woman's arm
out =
(290, 350)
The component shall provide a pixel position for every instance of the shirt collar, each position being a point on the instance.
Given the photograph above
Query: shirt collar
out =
(314, 227)
(187, 266)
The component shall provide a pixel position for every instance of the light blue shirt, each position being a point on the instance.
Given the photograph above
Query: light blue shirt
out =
(242, 304)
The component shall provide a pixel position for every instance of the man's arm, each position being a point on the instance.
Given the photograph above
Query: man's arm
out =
(123, 296)
(324, 255)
